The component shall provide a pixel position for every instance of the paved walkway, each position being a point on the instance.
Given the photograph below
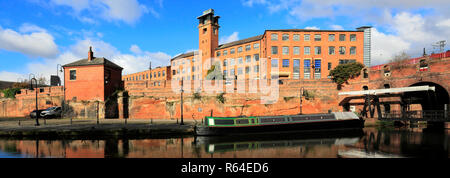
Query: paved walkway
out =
(56, 128)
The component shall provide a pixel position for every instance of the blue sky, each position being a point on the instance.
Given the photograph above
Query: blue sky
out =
(36, 35)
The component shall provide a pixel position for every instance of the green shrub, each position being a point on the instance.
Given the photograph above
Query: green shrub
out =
(309, 95)
(197, 96)
(11, 92)
(220, 98)
(286, 99)
(343, 72)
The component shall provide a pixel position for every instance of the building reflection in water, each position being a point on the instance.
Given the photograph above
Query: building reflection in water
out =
(370, 142)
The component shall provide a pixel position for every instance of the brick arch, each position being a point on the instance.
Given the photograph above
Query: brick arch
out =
(430, 100)
(446, 86)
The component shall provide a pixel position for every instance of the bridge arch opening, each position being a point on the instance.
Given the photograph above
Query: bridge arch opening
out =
(429, 100)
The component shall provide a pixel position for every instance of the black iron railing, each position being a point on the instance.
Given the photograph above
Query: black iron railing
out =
(429, 115)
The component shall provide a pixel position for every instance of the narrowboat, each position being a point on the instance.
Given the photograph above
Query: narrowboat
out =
(217, 126)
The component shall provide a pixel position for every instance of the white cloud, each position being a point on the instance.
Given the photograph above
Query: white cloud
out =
(312, 28)
(444, 23)
(250, 3)
(230, 38)
(135, 49)
(385, 46)
(130, 62)
(29, 28)
(11, 76)
(337, 27)
(32, 41)
(128, 11)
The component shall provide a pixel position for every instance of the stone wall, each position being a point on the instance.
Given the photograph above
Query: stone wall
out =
(25, 102)
(147, 102)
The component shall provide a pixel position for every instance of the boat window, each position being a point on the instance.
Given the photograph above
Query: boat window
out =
(269, 120)
(242, 121)
(224, 122)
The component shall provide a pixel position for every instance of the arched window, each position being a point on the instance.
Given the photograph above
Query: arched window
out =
(387, 71)
(365, 73)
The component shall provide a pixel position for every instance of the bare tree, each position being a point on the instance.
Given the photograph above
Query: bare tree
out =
(41, 80)
(400, 57)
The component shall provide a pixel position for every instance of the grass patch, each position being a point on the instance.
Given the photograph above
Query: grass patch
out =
(286, 99)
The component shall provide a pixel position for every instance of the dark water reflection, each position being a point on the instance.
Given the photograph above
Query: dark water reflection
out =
(368, 143)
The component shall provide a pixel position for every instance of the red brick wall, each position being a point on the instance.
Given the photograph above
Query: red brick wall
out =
(115, 82)
(89, 84)
(163, 103)
(25, 102)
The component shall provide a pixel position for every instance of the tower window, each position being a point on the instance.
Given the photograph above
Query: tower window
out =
(353, 50)
(342, 37)
(285, 62)
(256, 46)
(285, 37)
(274, 37)
(307, 37)
(248, 48)
(331, 37)
(296, 37)
(317, 37)
(205, 30)
(342, 50)
(274, 49)
(239, 49)
(352, 37)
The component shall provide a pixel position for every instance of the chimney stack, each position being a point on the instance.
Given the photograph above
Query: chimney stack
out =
(90, 54)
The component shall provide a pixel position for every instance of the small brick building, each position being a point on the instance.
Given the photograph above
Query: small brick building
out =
(91, 79)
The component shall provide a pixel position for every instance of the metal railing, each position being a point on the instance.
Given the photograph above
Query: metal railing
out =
(429, 115)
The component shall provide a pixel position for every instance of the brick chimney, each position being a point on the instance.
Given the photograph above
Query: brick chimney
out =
(90, 54)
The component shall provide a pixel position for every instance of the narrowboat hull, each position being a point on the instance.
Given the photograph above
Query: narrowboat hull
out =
(303, 124)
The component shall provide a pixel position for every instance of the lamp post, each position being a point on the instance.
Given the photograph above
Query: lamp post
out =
(182, 90)
(301, 100)
(313, 71)
(31, 87)
(29, 77)
(58, 69)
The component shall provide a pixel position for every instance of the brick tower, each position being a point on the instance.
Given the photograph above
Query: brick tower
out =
(208, 29)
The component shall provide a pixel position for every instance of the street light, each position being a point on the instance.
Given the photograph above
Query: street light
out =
(29, 77)
(31, 88)
(301, 100)
(182, 90)
(59, 69)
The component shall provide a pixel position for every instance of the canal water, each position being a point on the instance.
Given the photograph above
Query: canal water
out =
(366, 143)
